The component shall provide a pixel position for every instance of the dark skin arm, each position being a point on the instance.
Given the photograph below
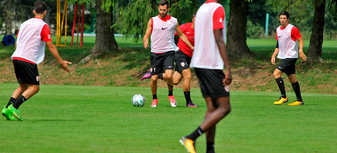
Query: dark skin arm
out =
(223, 53)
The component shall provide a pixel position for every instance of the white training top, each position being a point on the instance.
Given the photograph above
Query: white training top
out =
(206, 52)
(29, 44)
(162, 37)
(288, 48)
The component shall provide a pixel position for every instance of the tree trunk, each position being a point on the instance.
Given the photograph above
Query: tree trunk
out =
(105, 39)
(316, 40)
(9, 17)
(236, 37)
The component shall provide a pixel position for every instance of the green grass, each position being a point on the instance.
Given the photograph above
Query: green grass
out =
(63, 118)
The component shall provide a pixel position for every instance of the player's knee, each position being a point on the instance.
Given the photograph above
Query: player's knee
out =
(36, 89)
(292, 78)
(24, 86)
(276, 75)
(225, 111)
(169, 76)
(153, 79)
(228, 110)
(188, 76)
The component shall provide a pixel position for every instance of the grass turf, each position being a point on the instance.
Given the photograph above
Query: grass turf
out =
(62, 118)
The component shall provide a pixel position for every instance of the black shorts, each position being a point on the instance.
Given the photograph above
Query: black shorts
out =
(287, 66)
(26, 73)
(211, 83)
(182, 61)
(158, 61)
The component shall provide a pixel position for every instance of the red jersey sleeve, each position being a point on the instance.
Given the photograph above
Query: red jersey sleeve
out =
(276, 36)
(183, 28)
(218, 18)
(295, 33)
(45, 33)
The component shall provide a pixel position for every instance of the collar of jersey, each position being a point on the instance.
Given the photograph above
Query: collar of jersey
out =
(167, 17)
(38, 18)
(284, 27)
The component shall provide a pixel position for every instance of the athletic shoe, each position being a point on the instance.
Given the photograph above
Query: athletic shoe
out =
(146, 75)
(154, 103)
(191, 104)
(173, 101)
(15, 112)
(296, 103)
(188, 144)
(281, 101)
(8, 114)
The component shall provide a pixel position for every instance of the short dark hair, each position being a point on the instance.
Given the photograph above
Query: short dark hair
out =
(164, 2)
(284, 13)
(40, 7)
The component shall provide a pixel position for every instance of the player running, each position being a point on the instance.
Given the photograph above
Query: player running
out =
(209, 59)
(182, 58)
(162, 29)
(34, 34)
(286, 49)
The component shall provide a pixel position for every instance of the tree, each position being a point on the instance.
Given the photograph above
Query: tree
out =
(316, 40)
(9, 17)
(133, 19)
(105, 39)
(237, 47)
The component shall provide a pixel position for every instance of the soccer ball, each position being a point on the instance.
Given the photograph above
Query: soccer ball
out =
(138, 100)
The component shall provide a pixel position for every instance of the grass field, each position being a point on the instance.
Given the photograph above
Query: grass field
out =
(62, 118)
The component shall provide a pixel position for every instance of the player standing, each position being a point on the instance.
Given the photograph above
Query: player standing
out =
(162, 29)
(34, 34)
(209, 59)
(286, 49)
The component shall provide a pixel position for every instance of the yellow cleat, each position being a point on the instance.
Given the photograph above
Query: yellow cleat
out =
(296, 103)
(188, 144)
(281, 101)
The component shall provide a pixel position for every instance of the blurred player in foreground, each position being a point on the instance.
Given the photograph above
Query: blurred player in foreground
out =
(209, 59)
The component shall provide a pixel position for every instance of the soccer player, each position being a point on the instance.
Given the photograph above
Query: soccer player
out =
(183, 58)
(208, 60)
(162, 29)
(34, 34)
(286, 49)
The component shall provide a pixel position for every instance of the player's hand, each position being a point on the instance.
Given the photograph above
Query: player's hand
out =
(228, 78)
(192, 47)
(65, 66)
(146, 44)
(272, 60)
(302, 56)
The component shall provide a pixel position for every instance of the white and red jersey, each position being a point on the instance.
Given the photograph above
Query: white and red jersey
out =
(162, 37)
(31, 41)
(189, 33)
(210, 16)
(287, 41)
